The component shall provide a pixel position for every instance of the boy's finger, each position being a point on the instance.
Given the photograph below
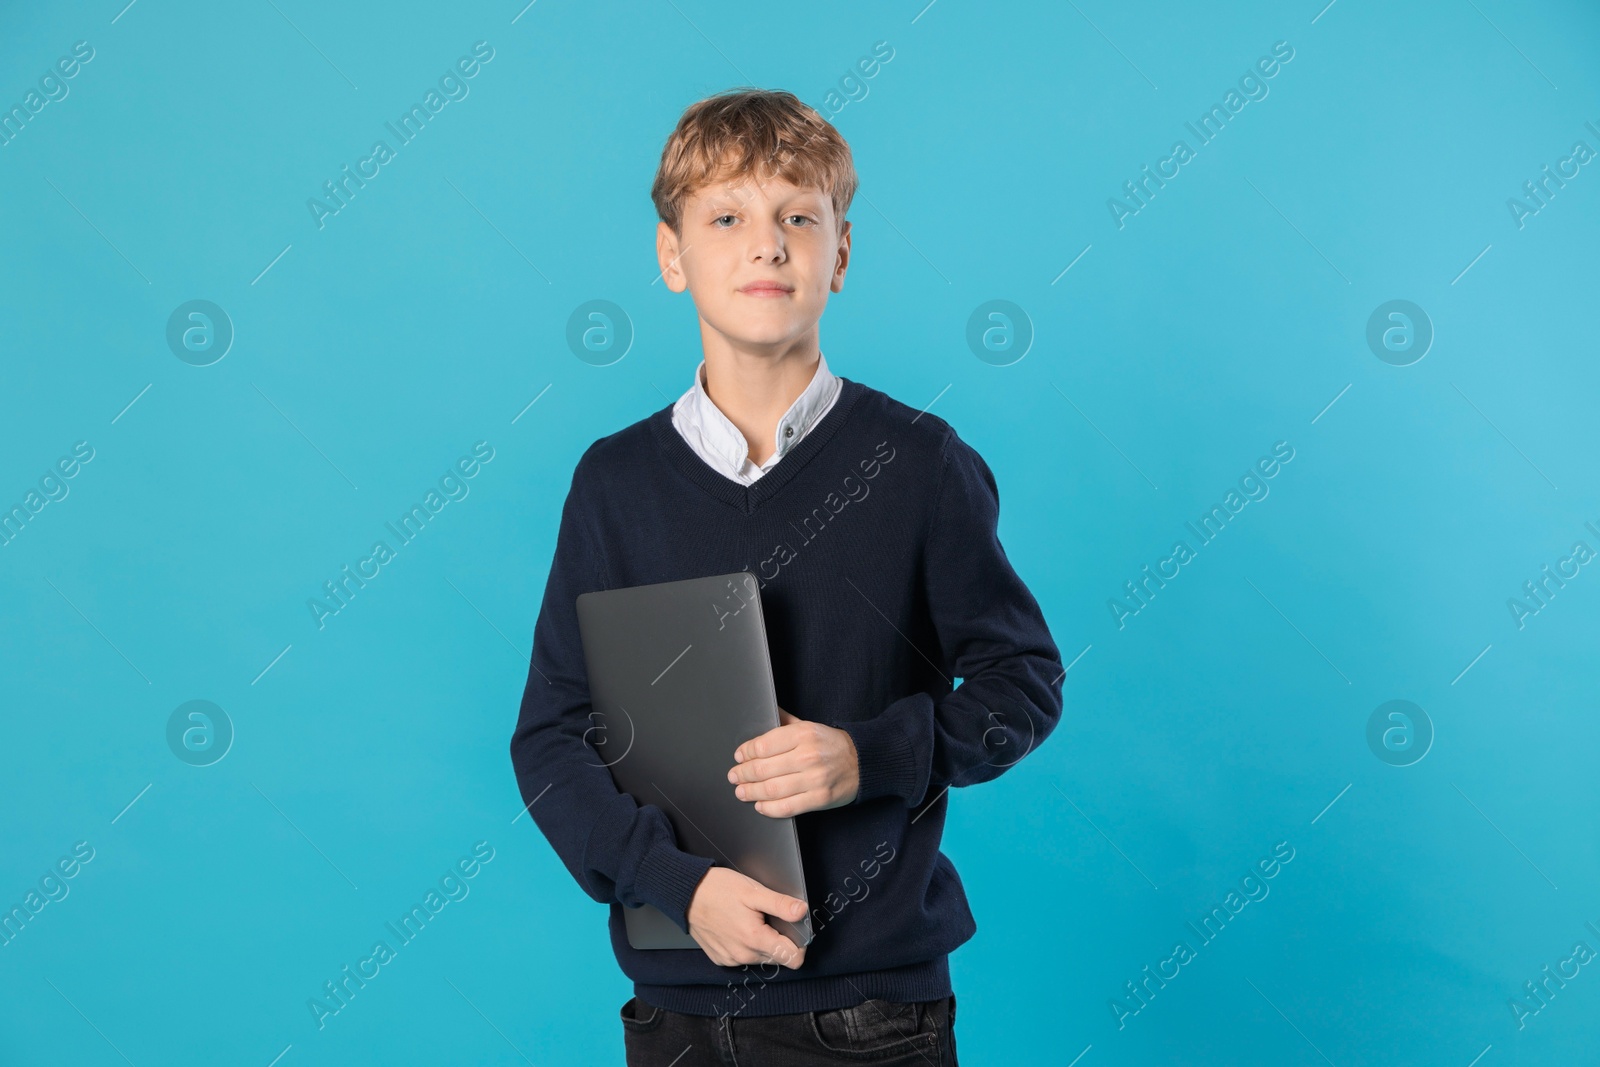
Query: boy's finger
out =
(790, 806)
(774, 788)
(779, 905)
(778, 739)
(781, 950)
(755, 770)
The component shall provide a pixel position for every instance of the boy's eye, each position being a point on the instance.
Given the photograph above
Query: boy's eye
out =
(806, 220)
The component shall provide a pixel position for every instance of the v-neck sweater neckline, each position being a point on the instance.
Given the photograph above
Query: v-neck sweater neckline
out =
(746, 498)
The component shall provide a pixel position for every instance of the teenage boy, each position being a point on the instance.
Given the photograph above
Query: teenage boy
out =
(872, 529)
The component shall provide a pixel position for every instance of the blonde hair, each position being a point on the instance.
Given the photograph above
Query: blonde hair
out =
(755, 133)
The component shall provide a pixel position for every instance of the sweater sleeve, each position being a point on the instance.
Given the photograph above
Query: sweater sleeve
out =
(617, 850)
(989, 633)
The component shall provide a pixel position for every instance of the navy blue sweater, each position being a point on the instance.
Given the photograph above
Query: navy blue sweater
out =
(883, 583)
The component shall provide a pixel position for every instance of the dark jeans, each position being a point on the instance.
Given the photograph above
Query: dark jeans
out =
(881, 1032)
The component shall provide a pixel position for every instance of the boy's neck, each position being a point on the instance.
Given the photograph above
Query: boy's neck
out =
(754, 391)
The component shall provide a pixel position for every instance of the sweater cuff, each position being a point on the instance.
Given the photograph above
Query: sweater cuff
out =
(667, 878)
(885, 758)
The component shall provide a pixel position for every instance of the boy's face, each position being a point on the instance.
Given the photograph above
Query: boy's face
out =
(759, 261)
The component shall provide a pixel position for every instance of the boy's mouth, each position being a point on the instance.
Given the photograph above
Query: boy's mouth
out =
(767, 289)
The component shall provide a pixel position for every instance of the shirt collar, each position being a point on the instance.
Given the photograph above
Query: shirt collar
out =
(722, 437)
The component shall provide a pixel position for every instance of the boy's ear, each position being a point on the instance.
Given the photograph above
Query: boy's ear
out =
(668, 254)
(842, 263)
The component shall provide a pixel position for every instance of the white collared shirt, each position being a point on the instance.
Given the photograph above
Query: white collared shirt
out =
(715, 438)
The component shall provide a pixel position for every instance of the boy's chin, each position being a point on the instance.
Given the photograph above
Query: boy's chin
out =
(764, 335)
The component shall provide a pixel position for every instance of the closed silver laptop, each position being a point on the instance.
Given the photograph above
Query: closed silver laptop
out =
(679, 677)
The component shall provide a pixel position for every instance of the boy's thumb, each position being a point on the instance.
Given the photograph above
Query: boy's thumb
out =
(785, 907)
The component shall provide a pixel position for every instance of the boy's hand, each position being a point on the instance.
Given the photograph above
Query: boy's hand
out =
(799, 766)
(726, 920)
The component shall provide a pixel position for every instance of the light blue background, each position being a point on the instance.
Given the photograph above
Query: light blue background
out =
(1222, 318)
